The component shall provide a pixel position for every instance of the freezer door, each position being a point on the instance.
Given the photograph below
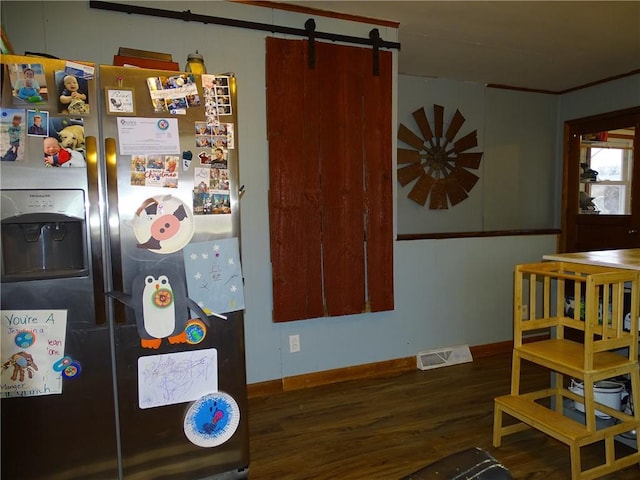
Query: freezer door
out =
(52, 428)
(69, 435)
(154, 210)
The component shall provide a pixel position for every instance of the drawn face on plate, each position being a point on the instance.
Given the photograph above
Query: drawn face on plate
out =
(163, 224)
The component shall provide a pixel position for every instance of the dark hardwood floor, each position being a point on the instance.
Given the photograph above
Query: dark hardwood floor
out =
(386, 428)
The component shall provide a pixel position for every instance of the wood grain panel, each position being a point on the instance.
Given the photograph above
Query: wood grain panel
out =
(331, 190)
(378, 183)
(387, 427)
(294, 179)
(340, 86)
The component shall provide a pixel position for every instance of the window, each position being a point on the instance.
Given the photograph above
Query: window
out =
(607, 166)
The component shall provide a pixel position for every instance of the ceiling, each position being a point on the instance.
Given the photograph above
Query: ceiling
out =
(550, 46)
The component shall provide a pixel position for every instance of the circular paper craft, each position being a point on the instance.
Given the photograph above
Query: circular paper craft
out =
(163, 224)
(195, 330)
(212, 420)
(25, 339)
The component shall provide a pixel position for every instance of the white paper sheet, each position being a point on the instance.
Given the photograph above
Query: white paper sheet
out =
(180, 377)
(32, 342)
(143, 136)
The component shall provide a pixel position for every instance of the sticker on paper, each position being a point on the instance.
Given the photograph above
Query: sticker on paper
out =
(212, 420)
(32, 342)
(176, 377)
(214, 275)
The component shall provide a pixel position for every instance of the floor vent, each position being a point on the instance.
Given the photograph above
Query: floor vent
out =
(443, 357)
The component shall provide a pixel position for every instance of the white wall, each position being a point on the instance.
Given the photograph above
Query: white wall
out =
(448, 292)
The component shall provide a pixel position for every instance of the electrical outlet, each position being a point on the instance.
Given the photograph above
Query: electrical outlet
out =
(525, 312)
(294, 343)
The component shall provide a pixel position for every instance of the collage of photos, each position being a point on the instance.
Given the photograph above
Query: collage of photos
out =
(173, 94)
(29, 86)
(217, 97)
(47, 112)
(211, 184)
(214, 139)
(62, 138)
(155, 170)
(214, 135)
(57, 131)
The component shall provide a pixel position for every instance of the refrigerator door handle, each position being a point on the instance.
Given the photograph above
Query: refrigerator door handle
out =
(95, 231)
(113, 218)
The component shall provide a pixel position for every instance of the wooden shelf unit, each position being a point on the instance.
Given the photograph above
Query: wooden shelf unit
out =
(606, 351)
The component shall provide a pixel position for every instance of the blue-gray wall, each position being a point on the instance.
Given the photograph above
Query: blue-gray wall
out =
(448, 292)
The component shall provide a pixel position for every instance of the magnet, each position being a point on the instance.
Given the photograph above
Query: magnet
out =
(187, 156)
(63, 363)
(72, 370)
(196, 330)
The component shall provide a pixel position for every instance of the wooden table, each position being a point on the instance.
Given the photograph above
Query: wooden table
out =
(624, 258)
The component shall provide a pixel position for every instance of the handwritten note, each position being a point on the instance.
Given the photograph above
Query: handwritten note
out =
(176, 377)
(32, 342)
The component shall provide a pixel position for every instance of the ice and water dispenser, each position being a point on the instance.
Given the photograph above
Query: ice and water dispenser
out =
(43, 234)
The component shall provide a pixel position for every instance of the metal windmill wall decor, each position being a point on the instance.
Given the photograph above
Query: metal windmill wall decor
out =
(438, 161)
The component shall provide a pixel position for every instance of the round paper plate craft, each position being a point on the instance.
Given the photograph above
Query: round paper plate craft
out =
(212, 419)
(163, 224)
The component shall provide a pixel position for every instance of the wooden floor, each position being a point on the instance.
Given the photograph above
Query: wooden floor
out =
(386, 428)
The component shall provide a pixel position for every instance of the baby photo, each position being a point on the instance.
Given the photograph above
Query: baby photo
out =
(28, 83)
(64, 143)
(73, 96)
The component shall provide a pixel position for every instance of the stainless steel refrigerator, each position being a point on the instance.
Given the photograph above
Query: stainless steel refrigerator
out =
(122, 308)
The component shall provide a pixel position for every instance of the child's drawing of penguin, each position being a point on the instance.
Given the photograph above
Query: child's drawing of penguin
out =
(158, 307)
(159, 300)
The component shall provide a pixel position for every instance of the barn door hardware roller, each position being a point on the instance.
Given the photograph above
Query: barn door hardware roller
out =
(310, 27)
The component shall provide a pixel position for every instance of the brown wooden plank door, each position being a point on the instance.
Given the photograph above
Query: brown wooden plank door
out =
(331, 206)
(294, 186)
